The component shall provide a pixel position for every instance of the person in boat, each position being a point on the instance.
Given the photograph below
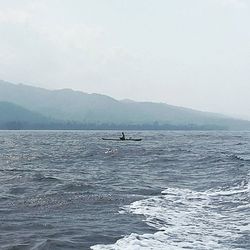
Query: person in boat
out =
(123, 137)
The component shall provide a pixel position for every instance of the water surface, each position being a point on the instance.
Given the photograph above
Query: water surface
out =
(173, 190)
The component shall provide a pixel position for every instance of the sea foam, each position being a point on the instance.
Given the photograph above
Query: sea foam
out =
(186, 219)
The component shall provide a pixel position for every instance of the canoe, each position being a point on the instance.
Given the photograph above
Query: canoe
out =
(115, 139)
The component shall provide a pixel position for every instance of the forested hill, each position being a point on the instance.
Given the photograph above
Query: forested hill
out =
(13, 116)
(69, 106)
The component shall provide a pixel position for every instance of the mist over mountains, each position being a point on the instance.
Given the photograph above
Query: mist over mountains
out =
(27, 107)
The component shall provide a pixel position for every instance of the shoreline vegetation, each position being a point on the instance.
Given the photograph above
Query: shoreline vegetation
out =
(16, 125)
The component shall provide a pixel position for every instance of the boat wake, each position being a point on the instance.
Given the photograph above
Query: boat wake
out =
(187, 219)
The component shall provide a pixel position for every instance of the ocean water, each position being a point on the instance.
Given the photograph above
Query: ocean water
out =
(172, 190)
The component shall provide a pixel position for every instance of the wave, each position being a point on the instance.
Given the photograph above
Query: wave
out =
(183, 218)
(76, 187)
(40, 177)
(63, 200)
(240, 157)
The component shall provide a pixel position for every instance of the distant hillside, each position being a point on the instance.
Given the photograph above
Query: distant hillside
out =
(75, 106)
(13, 116)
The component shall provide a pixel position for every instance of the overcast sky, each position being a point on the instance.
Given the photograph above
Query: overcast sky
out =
(192, 53)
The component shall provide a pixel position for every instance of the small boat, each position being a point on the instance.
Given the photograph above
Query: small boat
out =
(115, 139)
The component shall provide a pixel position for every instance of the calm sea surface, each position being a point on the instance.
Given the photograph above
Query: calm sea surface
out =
(172, 190)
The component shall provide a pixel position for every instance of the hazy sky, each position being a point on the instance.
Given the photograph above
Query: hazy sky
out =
(192, 53)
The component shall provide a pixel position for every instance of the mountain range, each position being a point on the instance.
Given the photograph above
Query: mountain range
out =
(33, 107)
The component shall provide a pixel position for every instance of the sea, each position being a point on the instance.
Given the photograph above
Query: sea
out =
(172, 190)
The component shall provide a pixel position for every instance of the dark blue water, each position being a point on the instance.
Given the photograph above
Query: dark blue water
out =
(173, 190)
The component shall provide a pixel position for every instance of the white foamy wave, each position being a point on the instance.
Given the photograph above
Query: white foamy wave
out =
(185, 219)
(111, 151)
